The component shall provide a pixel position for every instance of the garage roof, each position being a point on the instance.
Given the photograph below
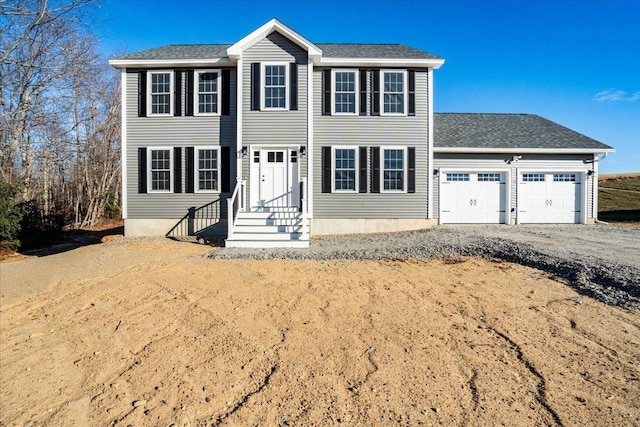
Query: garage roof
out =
(488, 132)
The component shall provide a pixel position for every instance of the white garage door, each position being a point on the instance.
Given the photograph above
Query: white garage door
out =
(549, 198)
(472, 198)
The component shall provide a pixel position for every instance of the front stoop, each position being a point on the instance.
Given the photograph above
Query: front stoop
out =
(282, 228)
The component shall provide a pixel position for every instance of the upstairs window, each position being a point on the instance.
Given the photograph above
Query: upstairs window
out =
(208, 169)
(344, 171)
(275, 86)
(394, 92)
(160, 88)
(160, 167)
(344, 92)
(393, 169)
(208, 92)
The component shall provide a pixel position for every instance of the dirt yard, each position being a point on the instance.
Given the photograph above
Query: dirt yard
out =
(153, 333)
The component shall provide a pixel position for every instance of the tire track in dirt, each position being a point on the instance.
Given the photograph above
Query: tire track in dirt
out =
(542, 382)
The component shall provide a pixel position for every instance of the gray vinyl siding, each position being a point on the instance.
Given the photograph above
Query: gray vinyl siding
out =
(274, 127)
(545, 162)
(372, 131)
(175, 132)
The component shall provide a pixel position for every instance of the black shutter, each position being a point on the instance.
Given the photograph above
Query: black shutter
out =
(412, 92)
(293, 84)
(177, 93)
(255, 86)
(375, 108)
(226, 92)
(142, 93)
(142, 170)
(326, 92)
(189, 107)
(363, 170)
(189, 169)
(326, 169)
(411, 170)
(177, 169)
(225, 166)
(375, 169)
(363, 92)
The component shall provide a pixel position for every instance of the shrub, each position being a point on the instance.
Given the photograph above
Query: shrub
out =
(10, 216)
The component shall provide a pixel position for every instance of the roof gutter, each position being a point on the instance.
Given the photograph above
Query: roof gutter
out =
(380, 62)
(151, 63)
(467, 150)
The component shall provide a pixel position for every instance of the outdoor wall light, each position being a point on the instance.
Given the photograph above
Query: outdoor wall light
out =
(244, 151)
(303, 151)
(435, 171)
(590, 172)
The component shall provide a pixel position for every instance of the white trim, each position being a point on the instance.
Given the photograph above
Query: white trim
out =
(405, 168)
(239, 117)
(356, 91)
(196, 92)
(171, 170)
(196, 169)
(430, 125)
(523, 150)
(150, 73)
(594, 188)
(381, 62)
(192, 62)
(235, 51)
(356, 178)
(287, 148)
(310, 141)
(123, 143)
(405, 90)
(287, 86)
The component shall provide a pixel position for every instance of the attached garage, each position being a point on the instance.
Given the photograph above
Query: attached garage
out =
(468, 197)
(550, 197)
(513, 169)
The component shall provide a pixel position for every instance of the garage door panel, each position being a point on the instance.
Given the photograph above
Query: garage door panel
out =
(470, 198)
(549, 198)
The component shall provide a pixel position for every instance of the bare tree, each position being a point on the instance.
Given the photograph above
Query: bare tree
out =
(59, 121)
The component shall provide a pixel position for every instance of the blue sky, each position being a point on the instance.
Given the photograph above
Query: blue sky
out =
(573, 62)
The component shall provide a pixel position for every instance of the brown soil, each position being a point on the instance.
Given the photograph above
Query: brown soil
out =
(151, 332)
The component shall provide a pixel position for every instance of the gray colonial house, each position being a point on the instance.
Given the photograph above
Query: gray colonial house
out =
(274, 139)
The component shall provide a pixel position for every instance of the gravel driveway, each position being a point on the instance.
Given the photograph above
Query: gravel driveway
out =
(600, 261)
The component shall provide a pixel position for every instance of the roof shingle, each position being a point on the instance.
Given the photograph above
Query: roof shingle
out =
(505, 131)
(332, 50)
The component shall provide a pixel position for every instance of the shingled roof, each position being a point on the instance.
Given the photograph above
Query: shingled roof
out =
(331, 50)
(507, 131)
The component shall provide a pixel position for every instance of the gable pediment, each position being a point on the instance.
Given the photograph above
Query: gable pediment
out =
(235, 51)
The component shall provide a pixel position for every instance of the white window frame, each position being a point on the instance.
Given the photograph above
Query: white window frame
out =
(196, 168)
(356, 155)
(150, 95)
(196, 97)
(356, 92)
(405, 168)
(263, 92)
(150, 171)
(405, 92)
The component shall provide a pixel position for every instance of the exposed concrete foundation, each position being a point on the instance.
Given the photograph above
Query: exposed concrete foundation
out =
(174, 227)
(324, 226)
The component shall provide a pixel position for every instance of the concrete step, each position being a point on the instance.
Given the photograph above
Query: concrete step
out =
(267, 221)
(261, 228)
(239, 235)
(267, 243)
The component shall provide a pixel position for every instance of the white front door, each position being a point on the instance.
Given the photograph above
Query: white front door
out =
(274, 178)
